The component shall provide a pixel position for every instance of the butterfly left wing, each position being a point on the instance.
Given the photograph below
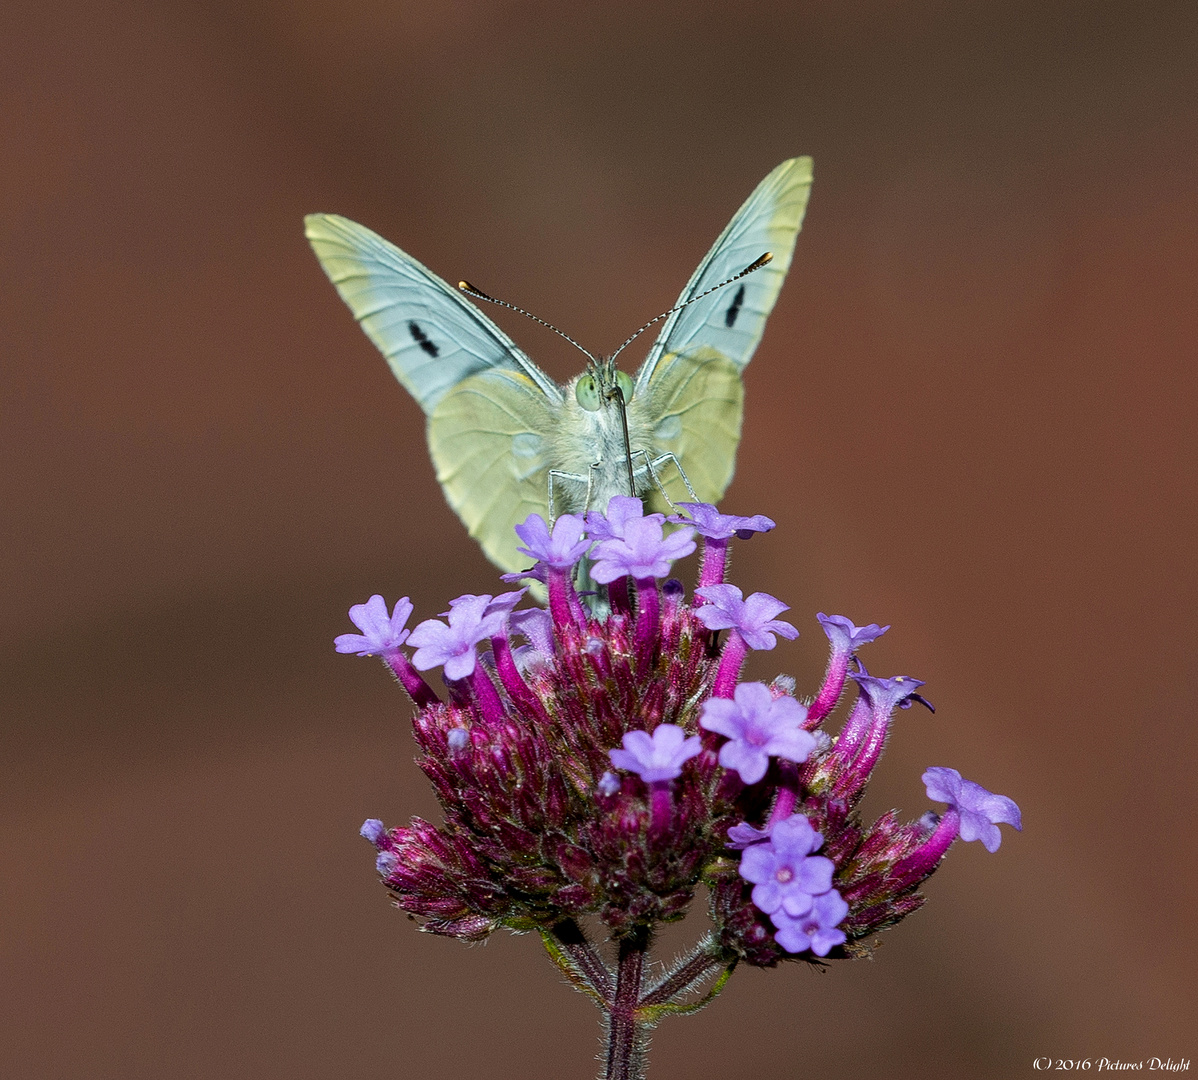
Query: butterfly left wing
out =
(732, 320)
(431, 335)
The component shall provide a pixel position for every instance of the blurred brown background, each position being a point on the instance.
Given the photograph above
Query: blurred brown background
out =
(972, 417)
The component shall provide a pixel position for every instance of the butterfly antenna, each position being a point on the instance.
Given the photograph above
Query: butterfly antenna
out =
(756, 265)
(478, 294)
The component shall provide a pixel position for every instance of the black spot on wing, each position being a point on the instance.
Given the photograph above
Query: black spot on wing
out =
(422, 339)
(734, 308)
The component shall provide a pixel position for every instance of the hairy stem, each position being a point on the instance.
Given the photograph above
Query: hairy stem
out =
(568, 938)
(695, 968)
(625, 1032)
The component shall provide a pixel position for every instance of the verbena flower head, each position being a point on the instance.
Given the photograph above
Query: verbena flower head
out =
(604, 760)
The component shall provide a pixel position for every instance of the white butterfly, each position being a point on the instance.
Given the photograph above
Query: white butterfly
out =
(507, 441)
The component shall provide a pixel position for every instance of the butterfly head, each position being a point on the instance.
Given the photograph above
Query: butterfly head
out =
(602, 385)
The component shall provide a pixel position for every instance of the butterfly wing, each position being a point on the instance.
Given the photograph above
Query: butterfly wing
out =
(732, 320)
(431, 335)
(690, 384)
(693, 410)
(491, 441)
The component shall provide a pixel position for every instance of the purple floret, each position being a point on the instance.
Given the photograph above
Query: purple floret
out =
(559, 549)
(656, 757)
(758, 726)
(471, 619)
(815, 930)
(536, 625)
(847, 637)
(743, 835)
(621, 509)
(373, 830)
(643, 551)
(727, 609)
(713, 525)
(980, 810)
(885, 694)
(380, 632)
(785, 874)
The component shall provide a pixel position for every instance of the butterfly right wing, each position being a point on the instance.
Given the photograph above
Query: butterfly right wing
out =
(693, 410)
(431, 335)
(732, 320)
(492, 441)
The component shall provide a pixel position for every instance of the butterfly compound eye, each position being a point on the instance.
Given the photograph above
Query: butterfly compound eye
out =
(587, 393)
(624, 382)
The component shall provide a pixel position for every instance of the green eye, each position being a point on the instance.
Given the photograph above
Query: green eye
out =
(587, 395)
(624, 382)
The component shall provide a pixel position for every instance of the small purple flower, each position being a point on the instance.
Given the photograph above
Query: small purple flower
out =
(785, 874)
(457, 738)
(726, 609)
(560, 549)
(373, 830)
(609, 784)
(643, 551)
(709, 522)
(501, 604)
(815, 930)
(539, 572)
(656, 757)
(980, 810)
(380, 633)
(470, 621)
(845, 636)
(887, 694)
(536, 624)
(758, 726)
(743, 835)
(621, 509)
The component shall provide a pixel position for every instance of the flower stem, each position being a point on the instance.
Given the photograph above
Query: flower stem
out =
(705, 960)
(569, 948)
(625, 1032)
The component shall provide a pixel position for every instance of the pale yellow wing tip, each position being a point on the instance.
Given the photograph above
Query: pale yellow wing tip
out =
(324, 226)
(804, 166)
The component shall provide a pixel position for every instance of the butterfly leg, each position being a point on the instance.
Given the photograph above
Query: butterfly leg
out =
(574, 478)
(652, 465)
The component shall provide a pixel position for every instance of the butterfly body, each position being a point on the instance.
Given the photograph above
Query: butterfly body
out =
(507, 441)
